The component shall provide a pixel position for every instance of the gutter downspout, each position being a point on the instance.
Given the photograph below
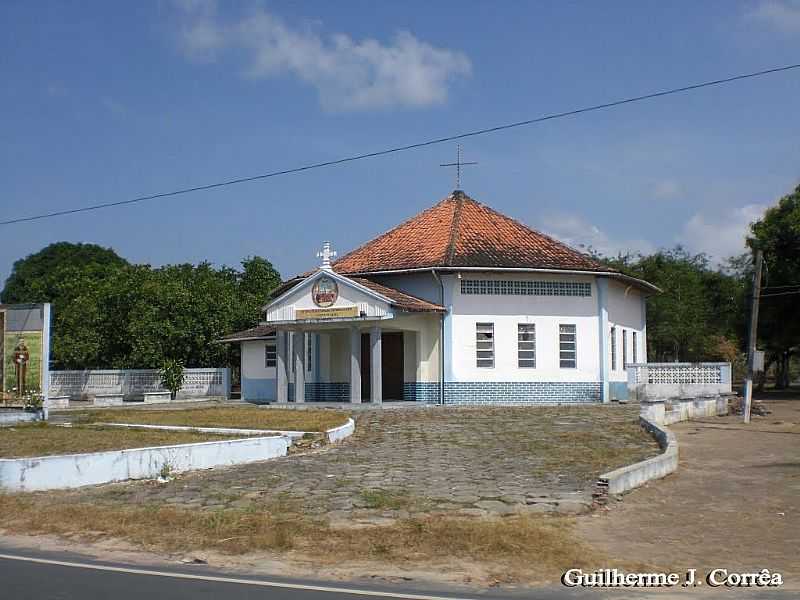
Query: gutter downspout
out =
(441, 338)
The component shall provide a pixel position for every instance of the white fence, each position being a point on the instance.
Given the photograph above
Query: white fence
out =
(676, 380)
(131, 383)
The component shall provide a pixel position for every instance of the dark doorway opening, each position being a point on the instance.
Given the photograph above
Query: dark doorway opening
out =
(391, 366)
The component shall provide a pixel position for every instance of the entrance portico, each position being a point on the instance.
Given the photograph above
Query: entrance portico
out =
(348, 339)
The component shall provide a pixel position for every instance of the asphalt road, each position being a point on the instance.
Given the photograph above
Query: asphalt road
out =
(57, 576)
(33, 575)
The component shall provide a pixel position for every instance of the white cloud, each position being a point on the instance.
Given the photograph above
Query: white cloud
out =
(721, 235)
(347, 74)
(783, 15)
(579, 233)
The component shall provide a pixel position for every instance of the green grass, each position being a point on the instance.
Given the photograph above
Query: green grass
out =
(247, 417)
(40, 439)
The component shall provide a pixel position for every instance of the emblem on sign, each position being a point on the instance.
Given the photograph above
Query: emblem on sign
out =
(325, 292)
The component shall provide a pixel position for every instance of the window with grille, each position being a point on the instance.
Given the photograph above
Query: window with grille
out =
(526, 345)
(271, 353)
(309, 347)
(633, 346)
(484, 344)
(613, 348)
(525, 288)
(567, 343)
(624, 348)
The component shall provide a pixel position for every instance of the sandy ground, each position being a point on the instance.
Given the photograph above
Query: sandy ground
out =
(734, 502)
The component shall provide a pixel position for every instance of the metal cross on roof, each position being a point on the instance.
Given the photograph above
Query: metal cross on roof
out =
(458, 164)
(326, 254)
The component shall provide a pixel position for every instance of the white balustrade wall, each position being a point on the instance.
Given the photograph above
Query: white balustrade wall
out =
(135, 382)
(676, 380)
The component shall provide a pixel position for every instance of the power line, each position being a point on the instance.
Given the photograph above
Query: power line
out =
(780, 294)
(781, 287)
(441, 140)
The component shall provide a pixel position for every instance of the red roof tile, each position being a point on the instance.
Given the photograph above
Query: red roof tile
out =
(460, 232)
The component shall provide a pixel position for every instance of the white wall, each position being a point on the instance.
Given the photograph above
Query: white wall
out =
(349, 295)
(254, 361)
(546, 312)
(422, 285)
(625, 314)
(421, 330)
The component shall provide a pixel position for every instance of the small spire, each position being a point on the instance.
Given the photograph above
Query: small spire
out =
(326, 254)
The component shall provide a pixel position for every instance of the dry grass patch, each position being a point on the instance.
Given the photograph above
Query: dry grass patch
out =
(246, 417)
(514, 547)
(40, 439)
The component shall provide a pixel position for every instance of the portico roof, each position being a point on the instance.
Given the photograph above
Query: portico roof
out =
(261, 332)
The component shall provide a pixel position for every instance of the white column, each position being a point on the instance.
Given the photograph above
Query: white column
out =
(355, 365)
(281, 370)
(376, 381)
(299, 367)
(602, 319)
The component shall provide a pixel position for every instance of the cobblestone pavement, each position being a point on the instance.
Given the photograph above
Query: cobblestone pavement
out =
(406, 462)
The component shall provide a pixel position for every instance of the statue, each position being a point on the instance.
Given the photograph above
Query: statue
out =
(21, 359)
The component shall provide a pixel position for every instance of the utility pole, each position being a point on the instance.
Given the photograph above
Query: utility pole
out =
(751, 339)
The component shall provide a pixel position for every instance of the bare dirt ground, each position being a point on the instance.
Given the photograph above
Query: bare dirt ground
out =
(734, 502)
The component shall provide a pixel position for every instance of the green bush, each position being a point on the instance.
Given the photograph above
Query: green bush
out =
(172, 375)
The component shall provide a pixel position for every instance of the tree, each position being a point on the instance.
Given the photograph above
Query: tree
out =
(777, 234)
(39, 277)
(698, 315)
(109, 313)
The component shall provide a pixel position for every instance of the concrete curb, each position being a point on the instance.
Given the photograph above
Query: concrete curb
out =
(219, 430)
(333, 435)
(76, 470)
(632, 476)
(337, 434)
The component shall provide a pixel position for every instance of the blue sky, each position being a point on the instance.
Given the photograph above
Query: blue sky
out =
(105, 101)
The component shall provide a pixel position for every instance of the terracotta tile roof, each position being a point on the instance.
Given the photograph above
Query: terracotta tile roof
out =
(254, 333)
(399, 299)
(460, 232)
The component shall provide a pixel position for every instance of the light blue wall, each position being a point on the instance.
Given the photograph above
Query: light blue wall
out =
(258, 390)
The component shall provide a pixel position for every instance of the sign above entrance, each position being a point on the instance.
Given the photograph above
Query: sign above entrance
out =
(344, 312)
(325, 292)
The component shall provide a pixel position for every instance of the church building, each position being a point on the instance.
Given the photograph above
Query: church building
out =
(458, 304)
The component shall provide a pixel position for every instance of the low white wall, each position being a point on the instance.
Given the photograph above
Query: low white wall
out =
(666, 412)
(343, 431)
(75, 470)
(333, 435)
(632, 476)
(11, 418)
(654, 415)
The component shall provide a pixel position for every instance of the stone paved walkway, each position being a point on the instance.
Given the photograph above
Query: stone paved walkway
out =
(400, 463)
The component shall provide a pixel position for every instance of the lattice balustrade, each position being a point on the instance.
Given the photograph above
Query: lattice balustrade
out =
(134, 382)
(698, 373)
(679, 379)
